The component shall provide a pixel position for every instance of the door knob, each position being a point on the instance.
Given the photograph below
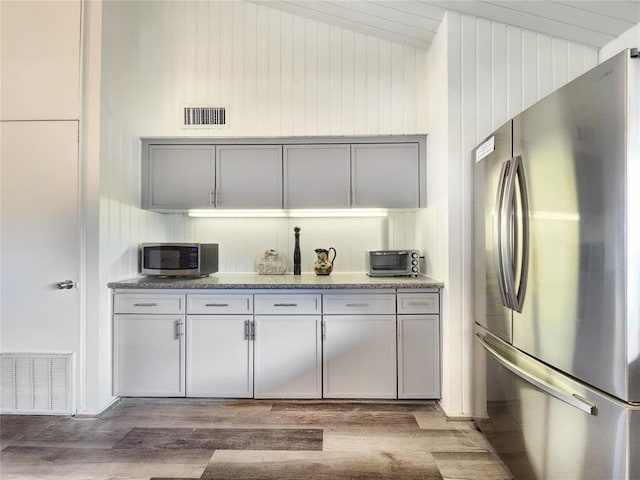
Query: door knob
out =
(65, 285)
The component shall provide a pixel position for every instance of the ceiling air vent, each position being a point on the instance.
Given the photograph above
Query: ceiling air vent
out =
(198, 117)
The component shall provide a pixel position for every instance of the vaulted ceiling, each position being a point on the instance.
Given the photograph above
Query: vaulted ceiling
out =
(415, 22)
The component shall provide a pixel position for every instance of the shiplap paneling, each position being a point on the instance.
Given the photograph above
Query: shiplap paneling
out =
(123, 225)
(493, 72)
(278, 73)
(241, 240)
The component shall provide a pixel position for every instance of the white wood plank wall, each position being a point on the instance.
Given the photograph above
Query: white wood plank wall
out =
(123, 225)
(279, 74)
(493, 72)
(242, 240)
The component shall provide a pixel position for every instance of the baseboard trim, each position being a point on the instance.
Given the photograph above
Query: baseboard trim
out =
(111, 405)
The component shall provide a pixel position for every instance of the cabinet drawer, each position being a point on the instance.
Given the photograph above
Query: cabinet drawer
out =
(287, 304)
(418, 303)
(381, 303)
(219, 304)
(145, 303)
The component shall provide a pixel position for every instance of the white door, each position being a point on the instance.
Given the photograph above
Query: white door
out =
(287, 356)
(39, 236)
(219, 356)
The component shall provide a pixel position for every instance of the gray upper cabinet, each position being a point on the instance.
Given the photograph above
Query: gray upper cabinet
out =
(317, 176)
(385, 175)
(248, 176)
(178, 177)
(179, 174)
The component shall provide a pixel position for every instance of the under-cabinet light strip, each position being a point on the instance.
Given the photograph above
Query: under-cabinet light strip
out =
(293, 213)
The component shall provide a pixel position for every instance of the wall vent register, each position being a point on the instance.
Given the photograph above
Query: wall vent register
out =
(204, 116)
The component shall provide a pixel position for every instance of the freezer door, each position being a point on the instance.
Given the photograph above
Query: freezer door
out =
(545, 426)
(491, 159)
(574, 316)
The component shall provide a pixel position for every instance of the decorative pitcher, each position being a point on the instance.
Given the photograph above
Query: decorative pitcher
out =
(323, 265)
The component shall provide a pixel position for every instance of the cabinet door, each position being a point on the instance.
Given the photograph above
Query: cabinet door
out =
(317, 176)
(287, 356)
(219, 356)
(178, 177)
(249, 176)
(385, 175)
(149, 355)
(418, 356)
(359, 356)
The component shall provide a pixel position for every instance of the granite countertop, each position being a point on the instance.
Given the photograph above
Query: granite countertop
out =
(255, 281)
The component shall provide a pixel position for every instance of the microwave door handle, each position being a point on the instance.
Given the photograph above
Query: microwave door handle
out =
(498, 233)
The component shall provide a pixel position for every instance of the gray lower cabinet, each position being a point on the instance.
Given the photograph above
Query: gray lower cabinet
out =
(418, 345)
(219, 356)
(359, 345)
(219, 345)
(359, 356)
(287, 346)
(288, 356)
(149, 345)
(149, 355)
(277, 345)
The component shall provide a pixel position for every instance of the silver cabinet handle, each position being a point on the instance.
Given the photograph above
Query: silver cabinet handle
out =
(253, 330)
(65, 285)
(216, 305)
(323, 328)
(285, 304)
(177, 329)
(145, 304)
(358, 305)
(212, 197)
(247, 332)
(572, 399)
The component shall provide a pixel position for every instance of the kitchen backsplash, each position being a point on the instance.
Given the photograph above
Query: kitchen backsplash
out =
(241, 240)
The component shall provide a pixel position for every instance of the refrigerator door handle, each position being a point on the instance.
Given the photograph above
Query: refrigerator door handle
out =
(498, 233)
(524, 257)
(572, 399)
(511, 237)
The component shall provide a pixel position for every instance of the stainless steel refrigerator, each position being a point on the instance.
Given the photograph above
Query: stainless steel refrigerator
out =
(557, 280)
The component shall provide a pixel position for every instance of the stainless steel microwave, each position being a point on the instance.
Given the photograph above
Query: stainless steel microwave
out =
(393, 263)
(179, 259)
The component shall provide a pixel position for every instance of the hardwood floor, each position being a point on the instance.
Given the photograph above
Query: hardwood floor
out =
(164, 439)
